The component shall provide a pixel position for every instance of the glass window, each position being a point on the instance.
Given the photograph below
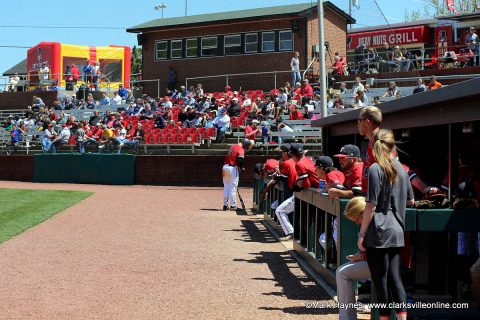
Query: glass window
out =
(268, 41)
(286, 40)
(176, 50)
(209, 46)
(161, 49)
(192, 48)
(251, 42)
(233, 44)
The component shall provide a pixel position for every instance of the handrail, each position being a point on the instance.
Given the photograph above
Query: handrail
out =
(309, 66)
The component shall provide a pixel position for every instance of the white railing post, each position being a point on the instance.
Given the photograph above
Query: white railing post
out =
(226, 78)
(158, 88)
(275, 81)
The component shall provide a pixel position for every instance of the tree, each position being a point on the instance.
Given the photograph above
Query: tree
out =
(438, 7)
(136, 61)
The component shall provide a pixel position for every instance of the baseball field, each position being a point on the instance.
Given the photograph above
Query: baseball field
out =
(143, 252)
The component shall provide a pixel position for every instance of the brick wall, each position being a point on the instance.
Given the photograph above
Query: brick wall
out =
(307, 35)
(188, 170)
(20, 100)
(335, 30)
(16, 168)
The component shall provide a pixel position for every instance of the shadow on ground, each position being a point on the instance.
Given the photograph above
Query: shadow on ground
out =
(284, 268)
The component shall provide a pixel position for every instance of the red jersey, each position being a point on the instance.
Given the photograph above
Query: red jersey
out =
(287, 171)
(234, 152)
(335, 178)
(353, 177)
(296, 115)
(270, 165)
(367, 162)
(305, 168)
(248, 132)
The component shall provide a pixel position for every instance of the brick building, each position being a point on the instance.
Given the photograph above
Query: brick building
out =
(258, 41)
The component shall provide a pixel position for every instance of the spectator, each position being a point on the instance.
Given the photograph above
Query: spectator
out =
(96, 75)
(306, 92)
(107, 138)
(75, 74)
(172, 78)
(265, 132)
(15, 138)
(251, 131)
(367, 88)
(80, 135)
(87, 72)
(420, 87)
(295, 113)
(159, 122)
(122, 92)
(392, 90)
(434, 84)
(338, 103)
(357, 85)
(472, 43)
(94, 119)
(12, 83)
(361, 100)
(37, 103)
(61, 139)
(93, 136)
(49, 136)
(116, 99)
(352, 168)
(105, 100)
(282, 99)
(234, 110)
(222, 123)
(376, 100)
(343, 88)
(295, 67)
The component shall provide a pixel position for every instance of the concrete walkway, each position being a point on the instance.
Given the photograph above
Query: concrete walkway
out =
(143, 252)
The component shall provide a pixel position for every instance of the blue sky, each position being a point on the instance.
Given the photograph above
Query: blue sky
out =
(121, 14)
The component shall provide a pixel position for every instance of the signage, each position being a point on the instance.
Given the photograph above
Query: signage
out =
(394, 37)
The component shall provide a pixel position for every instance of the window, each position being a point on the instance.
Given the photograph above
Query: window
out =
(161, 49)
(192, 48)
(233, 44)
(251, 42)
(268, 41)
(176, 49)
(286, 40)
(209, 46)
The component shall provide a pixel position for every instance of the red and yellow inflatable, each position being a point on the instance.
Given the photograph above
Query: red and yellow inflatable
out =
(114, 63)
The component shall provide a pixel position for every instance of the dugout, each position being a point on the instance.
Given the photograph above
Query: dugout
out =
(438, 136)
(114, 62)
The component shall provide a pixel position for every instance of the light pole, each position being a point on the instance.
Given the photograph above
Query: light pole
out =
(186, 5)
(160, 7)
(321, 59)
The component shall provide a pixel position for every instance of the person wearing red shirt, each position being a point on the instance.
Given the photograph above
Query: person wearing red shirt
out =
(305, 167)
(288, 174)
(234, 162)
(295, 114)
(369, 121)
(306, 92)
(328, 173)
(252, 130)
(352, 168)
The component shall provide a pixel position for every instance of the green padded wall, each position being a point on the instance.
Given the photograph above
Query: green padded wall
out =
(84, 168)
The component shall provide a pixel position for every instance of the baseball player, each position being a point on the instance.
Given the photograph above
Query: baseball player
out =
(351, 166)
(301, 175)
(234, 162)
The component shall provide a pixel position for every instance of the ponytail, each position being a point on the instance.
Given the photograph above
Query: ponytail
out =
(382, 150)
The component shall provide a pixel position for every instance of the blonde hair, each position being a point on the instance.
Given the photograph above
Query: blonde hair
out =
(355, 207)
(382, 150)
(371, 113)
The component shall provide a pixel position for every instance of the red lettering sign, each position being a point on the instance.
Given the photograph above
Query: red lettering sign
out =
(397, 36)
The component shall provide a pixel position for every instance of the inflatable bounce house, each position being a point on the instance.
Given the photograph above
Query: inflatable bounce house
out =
(62, 65)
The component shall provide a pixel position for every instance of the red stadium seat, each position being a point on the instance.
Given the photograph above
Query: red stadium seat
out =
(211, 132)
(175, 138)
(192, 130)
(195, 138)
(148, 138)
(201, 131)
(183, 130)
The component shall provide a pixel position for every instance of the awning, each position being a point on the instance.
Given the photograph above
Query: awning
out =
(398, 36)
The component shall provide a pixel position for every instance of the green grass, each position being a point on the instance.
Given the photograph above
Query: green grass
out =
(22, 209)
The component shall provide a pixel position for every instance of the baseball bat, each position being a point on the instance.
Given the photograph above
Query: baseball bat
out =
(241, 201)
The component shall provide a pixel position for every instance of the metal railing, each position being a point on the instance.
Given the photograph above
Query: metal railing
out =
(228, 77)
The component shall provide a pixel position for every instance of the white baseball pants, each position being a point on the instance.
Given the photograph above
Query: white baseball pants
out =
(282, 212)
(230, 184)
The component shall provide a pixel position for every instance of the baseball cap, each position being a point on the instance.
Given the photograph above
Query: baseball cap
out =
(296, 149)
(258, 168)
(270, 165)
(139, 124)
(323, 162)
(285, 148)
(348, 150)
(255, 121)
(222, 111)
(246, 143)
(50, 125)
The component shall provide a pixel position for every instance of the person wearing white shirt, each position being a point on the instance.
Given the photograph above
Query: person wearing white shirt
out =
(222, 123)
(282, 99)
(247, 102)
(117, 99)
(295, 67)
(357, 85)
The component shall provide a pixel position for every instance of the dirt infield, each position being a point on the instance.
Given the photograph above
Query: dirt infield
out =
(142, 252)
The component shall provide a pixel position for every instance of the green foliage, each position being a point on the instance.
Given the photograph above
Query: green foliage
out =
(23, 209)
(136, 63)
